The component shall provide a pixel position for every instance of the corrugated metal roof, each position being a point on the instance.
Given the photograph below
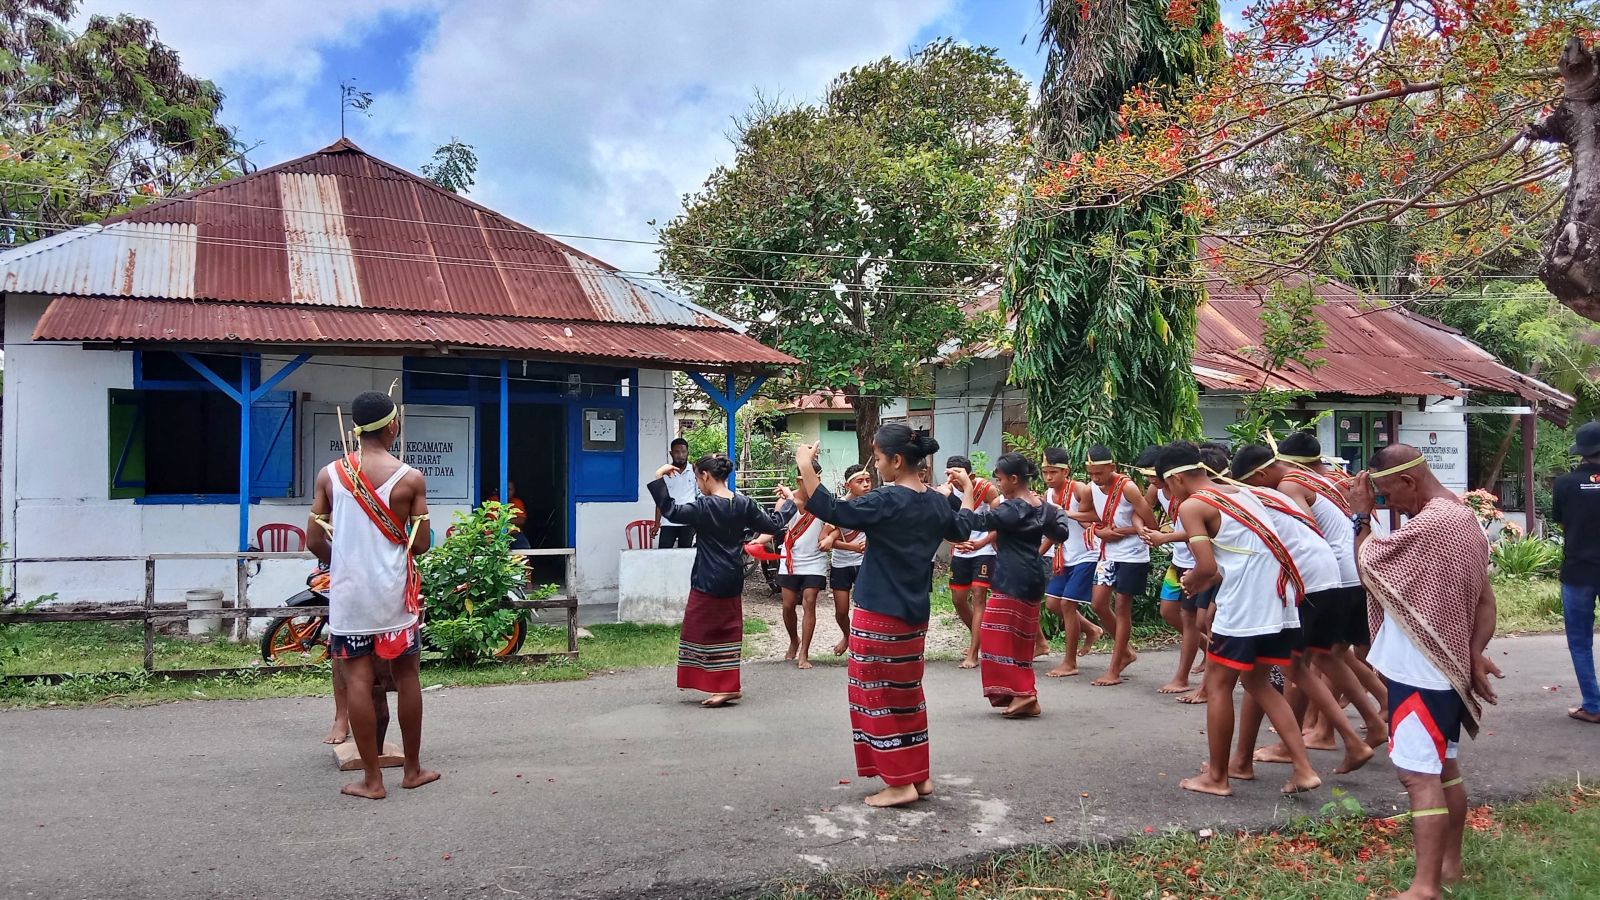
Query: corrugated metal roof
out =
(101, 319)
(340, 228)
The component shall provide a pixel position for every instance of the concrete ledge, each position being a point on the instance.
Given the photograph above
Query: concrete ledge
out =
(653, 585)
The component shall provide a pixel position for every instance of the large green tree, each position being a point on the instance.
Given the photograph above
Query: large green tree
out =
(846, 231)
(94, 121)
(1104, 332)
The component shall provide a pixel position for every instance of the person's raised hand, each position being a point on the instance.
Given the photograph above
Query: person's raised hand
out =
(959, 478)
(668, 469)
(1359, 494)
(785, 493)
(805, 455)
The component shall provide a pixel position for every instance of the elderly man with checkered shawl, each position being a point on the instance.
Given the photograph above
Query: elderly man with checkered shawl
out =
(1432, 613)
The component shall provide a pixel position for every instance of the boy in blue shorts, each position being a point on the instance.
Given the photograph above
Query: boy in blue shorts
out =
(1072, 563)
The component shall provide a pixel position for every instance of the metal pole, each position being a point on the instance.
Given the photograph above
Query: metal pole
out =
(505, 431)
(1529, 437)
(733, 430)
(244, 453)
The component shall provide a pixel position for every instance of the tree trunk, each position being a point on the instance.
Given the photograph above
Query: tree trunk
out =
(869, 413)
(1498, 461)
(1571, 264)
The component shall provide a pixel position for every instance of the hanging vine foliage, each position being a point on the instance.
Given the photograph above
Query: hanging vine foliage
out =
(1104, 329)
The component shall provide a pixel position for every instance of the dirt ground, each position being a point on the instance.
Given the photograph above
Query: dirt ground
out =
(947, 636)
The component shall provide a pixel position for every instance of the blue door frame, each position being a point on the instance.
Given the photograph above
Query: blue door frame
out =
(731, 400)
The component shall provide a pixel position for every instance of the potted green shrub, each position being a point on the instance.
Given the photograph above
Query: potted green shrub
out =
(468, 582)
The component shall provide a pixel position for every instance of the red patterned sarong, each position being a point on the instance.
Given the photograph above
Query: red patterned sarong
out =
(710, 642)
(888, 713)
(1006, 642)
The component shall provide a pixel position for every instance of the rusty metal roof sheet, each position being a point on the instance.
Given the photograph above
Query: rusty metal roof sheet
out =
(107, 319)
(340, 228)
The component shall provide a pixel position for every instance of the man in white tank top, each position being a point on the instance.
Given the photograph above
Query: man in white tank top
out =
(972, 561)
(1232, 542)
(374, 504)
(1124, 565)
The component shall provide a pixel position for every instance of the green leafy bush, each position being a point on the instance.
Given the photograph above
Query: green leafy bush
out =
(1525, 557)
(467, 581)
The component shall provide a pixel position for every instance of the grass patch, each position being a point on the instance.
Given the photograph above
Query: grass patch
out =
(105, 660)
(1528, 604)
(1542, 848)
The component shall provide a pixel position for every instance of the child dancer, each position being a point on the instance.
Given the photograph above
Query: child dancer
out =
(1232, 541)
(1010, 626)
(1072, 560)
(905, 521)
(1124, 559)
(972, 561)
(713, 622)
(802, 573)
(845, 548)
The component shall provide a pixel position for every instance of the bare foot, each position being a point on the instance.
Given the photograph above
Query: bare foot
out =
(1377, 737)
(794, 650)
(365, 790)
(894, 795)
(717, 700)
(925, 787)
(841, 648)
(1175, 686)
(1450, 872)
(970, 661)
(1355, 756)
(1199, 668)
(1299, 784)
(1107, 680)
(1091, 636)
(803, 663)
(1414, 894)
(1195, 697)
(1320, 741)
(1578, 712)
(1132, 658)
(1205, 784)
(1274, 754)
(420, 777)
(1023, 708)
(1041, 649)
(1062, 671)
(1238, 771)
(338, 734)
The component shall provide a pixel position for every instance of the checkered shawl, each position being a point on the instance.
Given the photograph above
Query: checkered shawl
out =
(1428, 574)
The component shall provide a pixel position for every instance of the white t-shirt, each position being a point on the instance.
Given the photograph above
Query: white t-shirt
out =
(1182, 556)
(1247, 602)
(802, 555)
(367, 571)
(1393, 655)
(847, 559)
(1128, 549)
(683, 488)
(989, 493)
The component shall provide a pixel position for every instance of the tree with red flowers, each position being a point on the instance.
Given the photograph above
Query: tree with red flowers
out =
(1424, 140)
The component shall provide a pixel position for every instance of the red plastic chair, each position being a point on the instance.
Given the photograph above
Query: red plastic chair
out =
(641, 534)
(280, 537)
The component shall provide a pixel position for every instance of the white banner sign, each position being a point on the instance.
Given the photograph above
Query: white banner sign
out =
(438, 443)
(1445, 451)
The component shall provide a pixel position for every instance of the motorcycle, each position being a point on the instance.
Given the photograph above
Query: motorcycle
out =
(307, 636)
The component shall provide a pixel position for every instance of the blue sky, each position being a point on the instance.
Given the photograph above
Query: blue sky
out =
(589, 118)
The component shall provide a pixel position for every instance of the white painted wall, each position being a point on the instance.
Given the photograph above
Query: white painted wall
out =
(55, 494)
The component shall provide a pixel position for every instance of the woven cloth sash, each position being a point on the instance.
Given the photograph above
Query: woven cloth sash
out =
(1321, 486)
(793, 536)
(1290, 583)
(388, 524)
(1276, 503)
(1058, 562)
(1108, 515)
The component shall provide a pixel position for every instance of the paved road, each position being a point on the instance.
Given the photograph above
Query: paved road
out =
(617, 787)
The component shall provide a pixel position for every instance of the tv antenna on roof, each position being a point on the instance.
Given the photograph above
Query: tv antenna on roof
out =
(352, 97)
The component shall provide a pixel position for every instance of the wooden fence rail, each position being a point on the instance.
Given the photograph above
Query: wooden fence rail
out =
(241, 612)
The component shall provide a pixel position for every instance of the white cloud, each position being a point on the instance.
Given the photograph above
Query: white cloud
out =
(588, 118)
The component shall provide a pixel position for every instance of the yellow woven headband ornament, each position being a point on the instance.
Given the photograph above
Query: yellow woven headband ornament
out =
(1396, 470)
(1192, 467)
(1271, 461)
(377, 426)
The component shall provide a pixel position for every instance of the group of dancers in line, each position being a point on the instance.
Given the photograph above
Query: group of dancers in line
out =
(1276, 525)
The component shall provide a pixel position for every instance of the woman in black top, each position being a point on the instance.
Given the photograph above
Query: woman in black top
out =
(905, 521)
(713, 622)
(1010, 627)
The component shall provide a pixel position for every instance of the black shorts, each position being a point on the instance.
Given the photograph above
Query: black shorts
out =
(971, 571)
(672, 536)
(802, 582)
(1329, 617)
(355, 646)
(1202, 600)
(843, 578)
(1129, 578)
(1246, 653)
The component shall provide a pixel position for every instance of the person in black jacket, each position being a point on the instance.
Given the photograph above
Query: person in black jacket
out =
(905, 521)
(713, 622)
(1010, 629)
(1577, 510)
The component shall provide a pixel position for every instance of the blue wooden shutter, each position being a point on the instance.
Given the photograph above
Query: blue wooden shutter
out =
(272, 445)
